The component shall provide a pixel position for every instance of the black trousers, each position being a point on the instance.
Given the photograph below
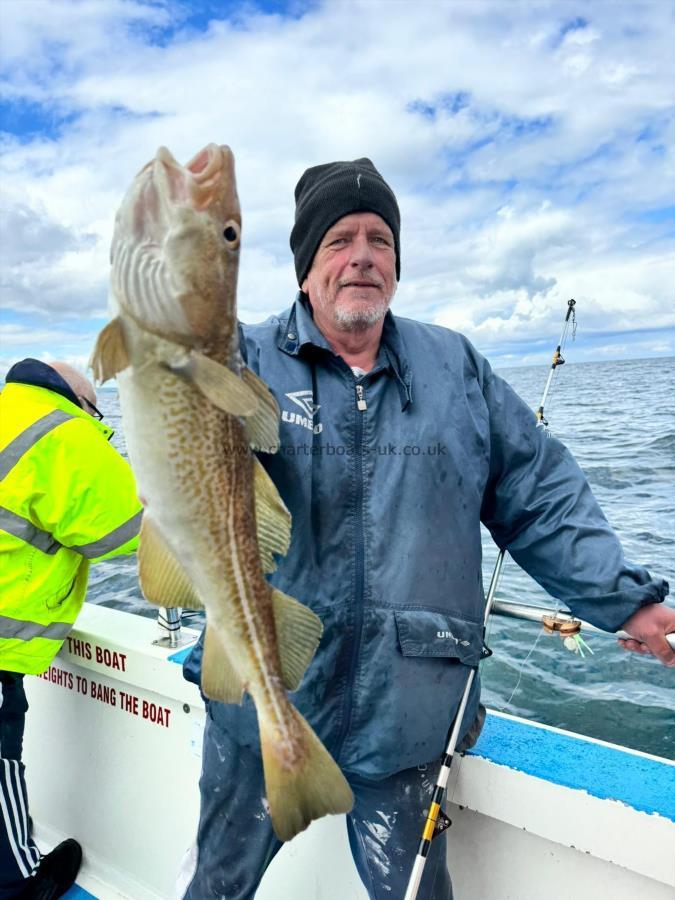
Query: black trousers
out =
(19, 855)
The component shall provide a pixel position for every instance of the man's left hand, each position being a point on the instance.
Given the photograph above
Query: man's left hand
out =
(649, 626)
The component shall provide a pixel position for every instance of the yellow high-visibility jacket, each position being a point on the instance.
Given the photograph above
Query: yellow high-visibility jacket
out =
(67, 498)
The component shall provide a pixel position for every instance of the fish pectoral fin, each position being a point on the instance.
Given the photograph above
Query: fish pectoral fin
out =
(163, 579)
(299, 631)
(220, 680)
(273, 520)
(221, 386)
(109, 355)
(262, 428)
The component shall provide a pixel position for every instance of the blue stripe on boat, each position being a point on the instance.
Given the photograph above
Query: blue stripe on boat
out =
(77, 893)
(605, 772)
(181, 656)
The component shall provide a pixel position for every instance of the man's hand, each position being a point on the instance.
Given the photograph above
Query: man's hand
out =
(649, 626)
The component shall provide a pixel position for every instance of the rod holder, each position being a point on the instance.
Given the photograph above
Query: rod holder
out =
(168, 623)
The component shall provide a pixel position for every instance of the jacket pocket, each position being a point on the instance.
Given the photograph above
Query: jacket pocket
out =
(438, 634)
(59, 597)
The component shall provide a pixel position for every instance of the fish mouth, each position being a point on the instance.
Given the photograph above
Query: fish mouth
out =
(199, 182)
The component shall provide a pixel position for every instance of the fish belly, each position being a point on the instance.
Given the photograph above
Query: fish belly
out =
(194, 475)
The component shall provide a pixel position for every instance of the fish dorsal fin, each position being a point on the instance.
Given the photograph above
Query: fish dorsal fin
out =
(110, 354)
(221, 385)
(163, 579)
(262, 428)
(220, 680)
(273, 520)
(299, 631)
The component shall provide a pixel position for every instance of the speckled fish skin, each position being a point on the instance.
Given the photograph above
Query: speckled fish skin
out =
(174, 258)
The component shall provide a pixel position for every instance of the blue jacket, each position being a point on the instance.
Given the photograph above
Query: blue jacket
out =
(386, 547)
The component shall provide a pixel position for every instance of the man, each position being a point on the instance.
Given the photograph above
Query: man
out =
(67, 498)
(396, 441)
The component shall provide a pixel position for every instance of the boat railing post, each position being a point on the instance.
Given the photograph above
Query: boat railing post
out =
(168, 622)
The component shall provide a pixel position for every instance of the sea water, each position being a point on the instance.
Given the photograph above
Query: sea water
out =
(617, 419)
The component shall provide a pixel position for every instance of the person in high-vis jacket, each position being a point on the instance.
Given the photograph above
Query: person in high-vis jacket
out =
(396, 441)
(67, 499)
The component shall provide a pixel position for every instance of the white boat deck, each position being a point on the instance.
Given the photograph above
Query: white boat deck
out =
(536, 811)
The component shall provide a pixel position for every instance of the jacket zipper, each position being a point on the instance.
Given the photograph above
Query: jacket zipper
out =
(359, 565)
(360, 399)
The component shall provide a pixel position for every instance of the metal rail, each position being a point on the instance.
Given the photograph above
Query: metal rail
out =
(528, 613)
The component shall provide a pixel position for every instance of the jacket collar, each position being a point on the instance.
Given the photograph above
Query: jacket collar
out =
(32, 373)
(39, 374)
(300, 331)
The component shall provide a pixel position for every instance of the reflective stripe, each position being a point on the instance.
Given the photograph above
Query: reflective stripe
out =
(24, 530)
(114, 539)
(13, 452)
(24, 630)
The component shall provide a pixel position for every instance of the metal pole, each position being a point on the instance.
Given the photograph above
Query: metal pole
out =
(433, 824)
(168, 622)
(528, 613)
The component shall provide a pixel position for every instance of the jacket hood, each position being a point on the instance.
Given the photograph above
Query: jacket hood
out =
(40, 374)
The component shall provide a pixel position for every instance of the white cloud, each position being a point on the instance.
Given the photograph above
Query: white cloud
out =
(79, 361)
(525, 190)
(12, 335)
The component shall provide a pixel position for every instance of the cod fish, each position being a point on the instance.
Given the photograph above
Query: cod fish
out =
(192, 413)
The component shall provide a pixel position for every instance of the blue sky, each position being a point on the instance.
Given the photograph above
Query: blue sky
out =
(530, 145)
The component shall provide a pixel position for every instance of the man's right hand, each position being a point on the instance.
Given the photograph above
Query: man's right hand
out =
(649, 626)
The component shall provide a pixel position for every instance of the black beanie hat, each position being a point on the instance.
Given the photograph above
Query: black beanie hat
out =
(326, 193)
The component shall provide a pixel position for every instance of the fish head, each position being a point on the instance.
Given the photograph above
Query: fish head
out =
(175, 250)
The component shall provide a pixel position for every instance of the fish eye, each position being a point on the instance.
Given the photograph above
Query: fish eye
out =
(231, 233)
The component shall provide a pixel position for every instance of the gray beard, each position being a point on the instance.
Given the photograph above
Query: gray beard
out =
(359, 319)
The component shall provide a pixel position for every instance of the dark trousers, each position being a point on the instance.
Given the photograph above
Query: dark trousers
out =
(236, 843)
(19, 855)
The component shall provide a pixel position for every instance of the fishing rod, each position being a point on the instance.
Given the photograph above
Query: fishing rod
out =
(557, 357)
(437, 822)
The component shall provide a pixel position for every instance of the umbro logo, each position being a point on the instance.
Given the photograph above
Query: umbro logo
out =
(448, 635)
(305, 400)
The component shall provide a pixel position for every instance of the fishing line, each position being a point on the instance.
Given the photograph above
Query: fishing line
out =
(556, 609)
(522, 668)
(573, 642)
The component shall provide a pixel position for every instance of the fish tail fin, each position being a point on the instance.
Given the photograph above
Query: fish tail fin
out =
(303, 782)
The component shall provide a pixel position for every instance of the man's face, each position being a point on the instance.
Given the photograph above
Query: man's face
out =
(353, 274)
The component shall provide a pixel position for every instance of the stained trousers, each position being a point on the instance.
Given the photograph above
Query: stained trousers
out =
(236, 843)
(19, 855)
